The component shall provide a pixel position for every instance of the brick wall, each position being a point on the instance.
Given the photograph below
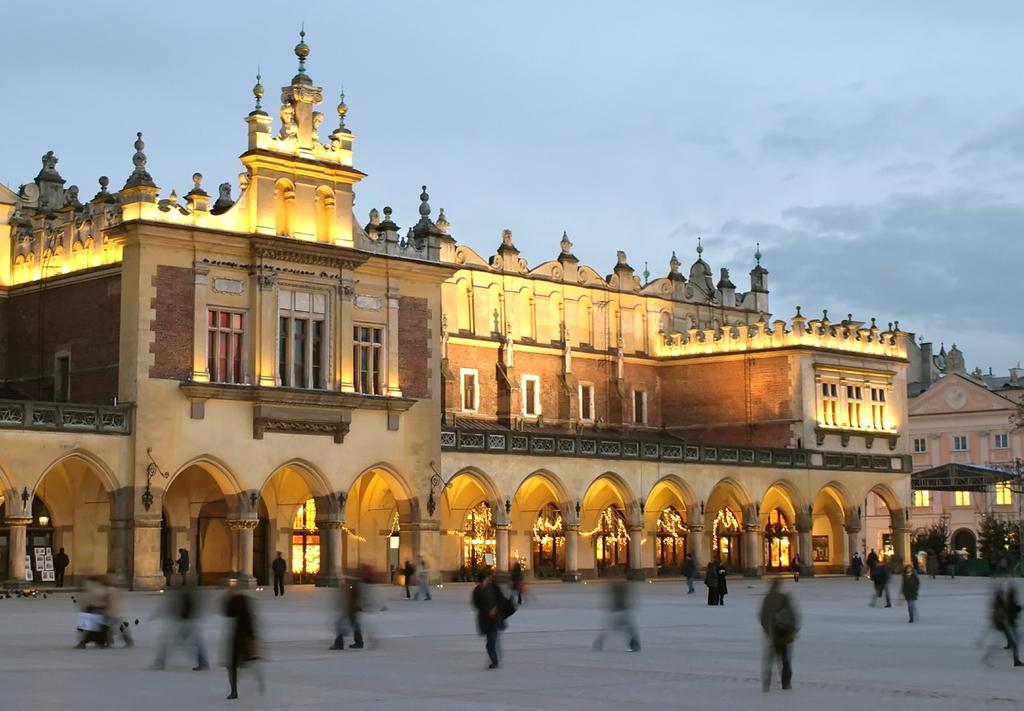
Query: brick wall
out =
(174, 304)
(82, 318)
(742, 401)
(413, 346)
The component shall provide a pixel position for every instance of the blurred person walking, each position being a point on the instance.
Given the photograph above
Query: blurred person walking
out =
(407, 572)
(182, 628)
(880, 577)
(909, 588)
(871, 561)
(517, 582)
(711, 581)
(60, 564)
(1003, 616)
(422, 580)
(116, 623)
(620, 616)
(279, 568)
(931, 564)
(243, 646)
(794, 567)
(690, 571)
(780, 623)
(350, 604)
(491, 610)
(168, 571)
(92, 620)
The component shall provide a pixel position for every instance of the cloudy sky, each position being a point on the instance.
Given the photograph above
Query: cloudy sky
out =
(875, 149)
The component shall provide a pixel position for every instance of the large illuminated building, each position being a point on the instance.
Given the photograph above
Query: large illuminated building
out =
(237, 376)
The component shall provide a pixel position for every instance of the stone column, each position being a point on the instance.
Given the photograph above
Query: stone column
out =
(343, 340)
(803, 532)
(572, 553)
(901, 541)
(264, 332)
(852, 544)
(16, 550)
(696, 545)
(119, 539)
(501, 547)
(752, 547)
(147, 568)
(330, 532)
(636, 571)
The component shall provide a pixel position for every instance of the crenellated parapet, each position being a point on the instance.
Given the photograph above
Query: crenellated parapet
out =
(847, 336)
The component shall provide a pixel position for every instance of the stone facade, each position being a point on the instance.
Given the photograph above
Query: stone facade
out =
(281, 378)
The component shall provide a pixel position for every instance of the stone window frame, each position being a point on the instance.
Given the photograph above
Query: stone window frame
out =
(463, 372)
(632, 399)
(961, 439)
(922, 499)
(63, 354)
(292, 313)
(1001, 440)
(920, 445)
(961, 498)
(834, 403)
(535, 379)
(243, 375)
(585, 384)
(1003, 494)
(382, 364)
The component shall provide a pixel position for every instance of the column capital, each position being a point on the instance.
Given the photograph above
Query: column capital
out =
(330, 524)
(697, 528)
(242, 524)
(574, 527)
(18, 520)
(852, 529)
(752, 527)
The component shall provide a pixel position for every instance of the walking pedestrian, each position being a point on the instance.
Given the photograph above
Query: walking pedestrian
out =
(856, 565)
(723, 588)
(690, 571)
(92, 621)
(780, 623)
(909, 588)
(517, 582)
(931, 564)
(954, 561)
(168, 570)
(422, 580)
(872, 561)
(491, 609)
(350, 605)
(1003, 615)
(115, 622)
(279, 567)
(880, 577)
(243, 646)
(794, 567)
(407, 572)
(60, 564)
(182, 628)
(620, 616)
(183, 565)
(711, 581)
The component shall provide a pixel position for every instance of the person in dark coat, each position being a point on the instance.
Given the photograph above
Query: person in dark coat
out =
(242, 644)
(856, 565)
(780, 623)
(794, 567)
(872, 561)
(711, 581)
(931, 564)
(408, 571)
(517, 582)
(351, 605)
(183, 565)
(690, 571)
(1004, 614)
(909, 588)
(169, 571)
(880, 577)
(489, 604)
(620, 616)
(723, 588)
(279, 567)
(60, 564)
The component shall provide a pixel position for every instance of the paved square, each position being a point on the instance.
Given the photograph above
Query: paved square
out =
(427, 656)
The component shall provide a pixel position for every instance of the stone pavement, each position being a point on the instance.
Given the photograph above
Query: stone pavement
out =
(427, 656)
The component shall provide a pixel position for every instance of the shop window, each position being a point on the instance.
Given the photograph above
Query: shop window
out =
(670, 543)
(478, 538)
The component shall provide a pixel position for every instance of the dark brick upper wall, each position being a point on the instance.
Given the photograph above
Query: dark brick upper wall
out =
(413, 346)
(82, 318)
(173, 325)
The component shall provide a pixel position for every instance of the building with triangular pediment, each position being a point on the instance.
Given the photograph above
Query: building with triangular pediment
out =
(238, 371)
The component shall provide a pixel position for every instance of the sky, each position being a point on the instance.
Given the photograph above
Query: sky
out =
(874, 149)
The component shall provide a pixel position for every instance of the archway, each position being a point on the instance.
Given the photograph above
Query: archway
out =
(778, 514)
(379, 516)
(39, 544)
(724, 518)
(538, 515)
(293, 502)
(196, 507)
(964, 539)
(470, 509)
(828, 540)
(881, 509)
(665, 521)
(609, 510)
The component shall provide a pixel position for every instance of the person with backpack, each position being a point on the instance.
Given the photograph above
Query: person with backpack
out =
(780, 624)
(492, 607)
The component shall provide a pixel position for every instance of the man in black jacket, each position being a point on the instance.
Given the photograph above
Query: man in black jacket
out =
(489, 604)
(279, 567)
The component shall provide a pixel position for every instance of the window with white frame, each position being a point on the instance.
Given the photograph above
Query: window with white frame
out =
(640, 407)
(920, 445)
(225, 345)
(470, 383)
(586, 393)
(961, 498)
(302, 339)
(959, 443)
(922, 499)
(830, 404)
(368, 359)
(877, 408)
(1001, 441)
(853, 406)
(1004, 495)
(531, 395)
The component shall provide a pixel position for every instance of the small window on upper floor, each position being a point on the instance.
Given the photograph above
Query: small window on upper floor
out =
(920, 445)
(640, 407)
(586, 392)
(959, 443)
(531, 395)
(62, 377)
(470, 390)
(961, 498)
(922, 499)
(1004, 494)
(368, 359)
(1001, 440)
(225, 331)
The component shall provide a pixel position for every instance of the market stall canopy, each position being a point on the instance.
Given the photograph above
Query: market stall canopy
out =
(960, 477)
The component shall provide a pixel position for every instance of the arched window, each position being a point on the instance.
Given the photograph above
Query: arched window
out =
(478, 537)
(725, 538)
(670, 544)
(324, 214)
(611, 542)
(305, 543)
(778, 541)
(284, 208)
(549, 542)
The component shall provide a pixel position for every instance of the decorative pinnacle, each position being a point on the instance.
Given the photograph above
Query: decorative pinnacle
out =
(342, 111)
(424, 205)
(673, 263)
(257, 91)
(824, 314)
(565, 244)
(700, 247)
(302, 51)
(798, 314)
(757, 254)
(647, 274)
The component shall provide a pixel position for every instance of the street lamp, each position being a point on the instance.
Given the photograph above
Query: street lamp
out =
(152, 470)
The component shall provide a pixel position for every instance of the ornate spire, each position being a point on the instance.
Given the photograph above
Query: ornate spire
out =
(673, 266)
(757, 254)
(302, 51)
(424, 205)
(139, 176)
(646, 272)
(257, 91)
(342, 111)
(103, 195)
(442, 221)
(565, 244)
(700, 248)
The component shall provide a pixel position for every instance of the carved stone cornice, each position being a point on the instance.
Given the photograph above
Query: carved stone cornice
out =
(317, 254)
(242, 524)
(18, 520)
(326, 399)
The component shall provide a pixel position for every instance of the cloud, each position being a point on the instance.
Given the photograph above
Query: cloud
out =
(944, 264)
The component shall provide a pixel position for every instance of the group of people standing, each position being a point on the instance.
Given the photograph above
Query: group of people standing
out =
(715, 581)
